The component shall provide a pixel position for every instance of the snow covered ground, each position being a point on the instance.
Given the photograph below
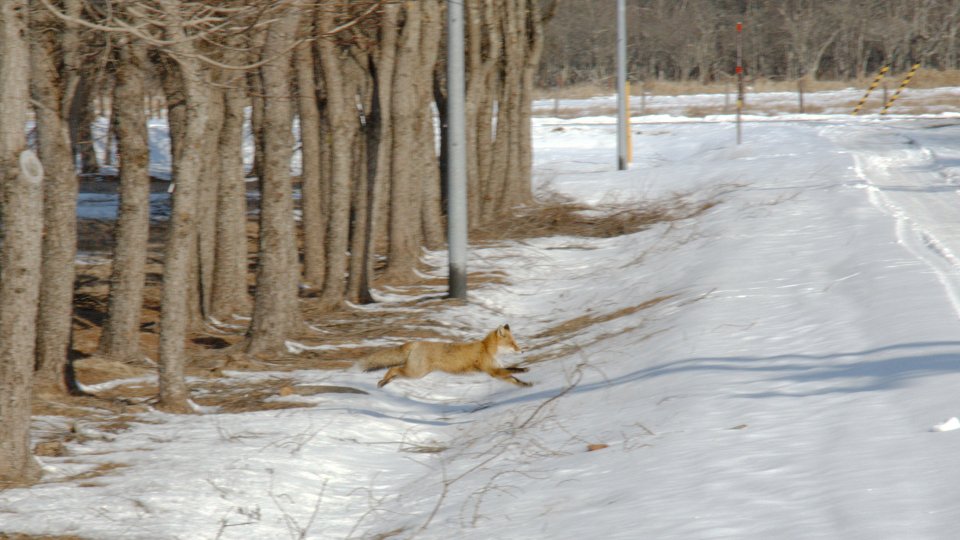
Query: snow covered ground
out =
(777, 367)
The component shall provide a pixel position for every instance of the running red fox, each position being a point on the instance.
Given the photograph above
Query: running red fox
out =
(414, 360)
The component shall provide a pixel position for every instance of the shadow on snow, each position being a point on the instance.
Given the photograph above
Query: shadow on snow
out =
(846, 372)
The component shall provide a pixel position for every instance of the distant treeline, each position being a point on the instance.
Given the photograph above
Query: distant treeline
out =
(782, 39)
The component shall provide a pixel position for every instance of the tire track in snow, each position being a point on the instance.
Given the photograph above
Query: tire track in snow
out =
(910, 174)
(905, 179)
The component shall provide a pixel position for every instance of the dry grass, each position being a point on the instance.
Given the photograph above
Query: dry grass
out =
(576, 91)
(905, 104)
(100, 470)
(932, 78)
(701, 111)
(551, 342)
(578, 324)
(924, 78)
(557, 216)
(239, 397)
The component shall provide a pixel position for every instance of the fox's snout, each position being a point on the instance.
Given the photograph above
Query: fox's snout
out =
(506, 339)
(510, 347)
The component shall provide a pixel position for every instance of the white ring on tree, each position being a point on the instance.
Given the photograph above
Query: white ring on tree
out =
(30, 167)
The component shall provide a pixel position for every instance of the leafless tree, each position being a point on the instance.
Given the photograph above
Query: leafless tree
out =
(275, 312)
(313, 206)
(229, 295)
(181, 237)
(21, 175)
(682, 40)
(413, 158)
(121, 330)
(51, 84)
(341, 121)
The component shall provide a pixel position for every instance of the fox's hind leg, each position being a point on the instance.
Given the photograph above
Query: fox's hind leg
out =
(392, 373)
(506, 375)
(514, 369)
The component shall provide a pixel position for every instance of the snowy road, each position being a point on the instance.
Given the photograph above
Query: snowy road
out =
(914, 174)
(830, 330)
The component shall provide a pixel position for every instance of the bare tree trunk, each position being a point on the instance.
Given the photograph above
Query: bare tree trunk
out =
(411, 95)
(276, 312)
(490, 148)
(502, 84)
(357, 288)
(256, 92)
(508, 117)
(176, 104)
(358, 281)
(810, 35)
(180, 252)
(312, 203)
(429, 167)
(497, 166)
(110, 140)
(121, 331)
(75, 83)
(229, 295)
(209, 183)
(385, 68)
(60, 194)
(21, 175)
(405, 190)
(523, 189)
(178, 119)
(480, 62)
(486, 96)
(340, 119)
(82, 117)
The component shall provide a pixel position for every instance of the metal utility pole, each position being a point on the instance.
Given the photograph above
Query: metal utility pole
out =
(622, 120)
(456, 153)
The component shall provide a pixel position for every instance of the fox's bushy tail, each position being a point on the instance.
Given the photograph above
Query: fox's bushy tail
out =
(383, 359)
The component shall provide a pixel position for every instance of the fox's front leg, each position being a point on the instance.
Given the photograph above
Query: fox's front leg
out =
(505, 374)
(514, 369)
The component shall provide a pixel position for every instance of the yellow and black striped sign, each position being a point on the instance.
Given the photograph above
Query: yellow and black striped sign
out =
(873, 85)
(906, 81)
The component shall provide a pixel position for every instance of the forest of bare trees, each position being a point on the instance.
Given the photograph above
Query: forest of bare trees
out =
(355, 85)
(684, 40)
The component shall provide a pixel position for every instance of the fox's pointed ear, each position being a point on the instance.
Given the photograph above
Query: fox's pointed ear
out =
(506, 327)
